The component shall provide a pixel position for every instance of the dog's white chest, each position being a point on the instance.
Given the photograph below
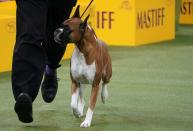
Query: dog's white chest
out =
(81, 72)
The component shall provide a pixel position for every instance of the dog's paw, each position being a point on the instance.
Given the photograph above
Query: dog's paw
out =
(87, 121)
(76, 113)
(85, 124)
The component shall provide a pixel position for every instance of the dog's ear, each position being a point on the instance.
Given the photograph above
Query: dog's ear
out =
(84, 24)
(77, 12)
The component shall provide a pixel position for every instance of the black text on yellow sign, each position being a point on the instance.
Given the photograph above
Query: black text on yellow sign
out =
(105, 19)
(150, 18)
(187, 8)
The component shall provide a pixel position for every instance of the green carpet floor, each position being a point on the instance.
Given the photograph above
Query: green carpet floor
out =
(151, 90)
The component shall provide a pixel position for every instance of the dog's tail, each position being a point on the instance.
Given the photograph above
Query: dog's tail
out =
(104, 93)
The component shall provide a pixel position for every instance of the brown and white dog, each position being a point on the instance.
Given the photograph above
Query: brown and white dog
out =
(90, 64)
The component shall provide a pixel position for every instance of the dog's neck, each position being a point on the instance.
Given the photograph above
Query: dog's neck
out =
(88, 45)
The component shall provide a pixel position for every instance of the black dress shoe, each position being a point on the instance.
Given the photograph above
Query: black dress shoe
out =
(49, 85)
(23, 108)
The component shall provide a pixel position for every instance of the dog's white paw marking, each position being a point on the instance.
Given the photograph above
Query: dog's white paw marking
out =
(81, 107)
(74, 103)
(87, 122)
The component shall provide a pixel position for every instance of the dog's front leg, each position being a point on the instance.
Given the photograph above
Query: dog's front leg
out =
(74, 99)
(81, 102)
(89, 114)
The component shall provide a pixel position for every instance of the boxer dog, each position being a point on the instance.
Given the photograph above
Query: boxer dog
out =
(90, 64)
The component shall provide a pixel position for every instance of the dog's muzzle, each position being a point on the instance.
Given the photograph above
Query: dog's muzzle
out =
(61, 36)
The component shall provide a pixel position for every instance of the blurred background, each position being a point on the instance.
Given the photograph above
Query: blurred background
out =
(151, 45)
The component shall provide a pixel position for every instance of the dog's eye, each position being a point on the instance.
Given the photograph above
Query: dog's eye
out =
(65, 27)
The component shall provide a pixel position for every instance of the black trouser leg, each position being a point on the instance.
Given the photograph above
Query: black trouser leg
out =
(29, 54)
(57, 13)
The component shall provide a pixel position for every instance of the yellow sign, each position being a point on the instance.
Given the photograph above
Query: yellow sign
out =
(134, 22)
(155, 21)
(7, 39)
(7, 34)
(186, 12)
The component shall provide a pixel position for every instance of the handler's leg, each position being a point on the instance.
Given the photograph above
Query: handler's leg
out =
(58, 12)
(29, 55)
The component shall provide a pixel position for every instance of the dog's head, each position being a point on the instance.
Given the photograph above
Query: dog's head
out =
(71, 30)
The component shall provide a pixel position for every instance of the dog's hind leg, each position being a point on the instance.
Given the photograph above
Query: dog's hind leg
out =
(107, 73)
(74, 99)
(104, 92)
(81, 102)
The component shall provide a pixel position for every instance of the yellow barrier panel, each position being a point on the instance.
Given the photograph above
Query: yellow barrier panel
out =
(114, 21)
(186, 13)
(7, 34)
(7, 39)
(134, 22)
(155, 21)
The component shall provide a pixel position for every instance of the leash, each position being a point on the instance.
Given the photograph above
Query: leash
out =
(86, 8)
